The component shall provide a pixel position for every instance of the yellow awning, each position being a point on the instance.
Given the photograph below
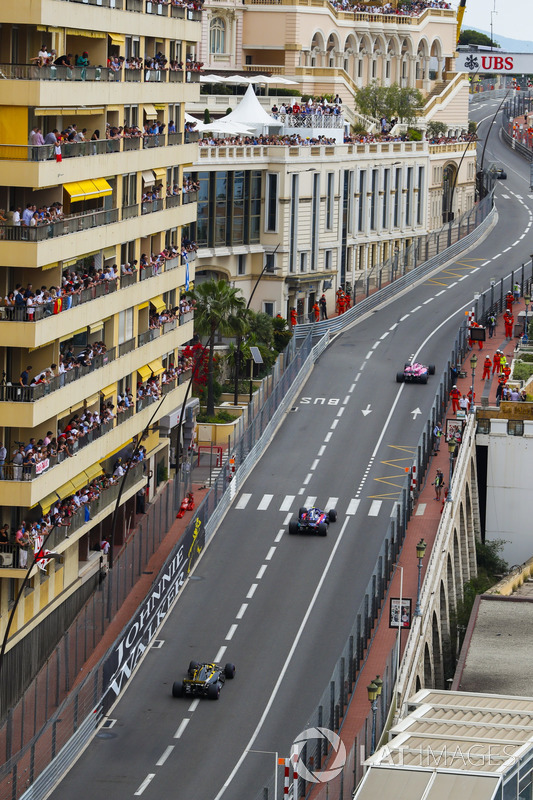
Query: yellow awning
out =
(93, 472)
(158, 303)
(104, 189)
(117, 38)
(74, 333)
(109, 390)
(74, 191)
(110, 252)
(79, 481)
(49, 29)
(156, 366)
(143, 305)
(87, 34)
(160, 106)
(47, 502)
(73, 111)
(96, 327)
(94, 398)
(87, 190)
(160, 174)
(150, 112)
(144, 372)
(66, 490)
(50, 266)
(148, 177)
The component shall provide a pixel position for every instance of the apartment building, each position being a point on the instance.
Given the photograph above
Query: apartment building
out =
(103, 72)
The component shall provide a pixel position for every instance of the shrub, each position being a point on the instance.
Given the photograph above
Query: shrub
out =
(220, 417)
(436, 129)
(283, 92)
(207, 116)
(522, 371)
(414, 135)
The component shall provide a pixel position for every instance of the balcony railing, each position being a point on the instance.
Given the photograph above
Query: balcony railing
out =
(9, 552)
(89, 219)
(147, 7)
(31, 72)
(99, 147)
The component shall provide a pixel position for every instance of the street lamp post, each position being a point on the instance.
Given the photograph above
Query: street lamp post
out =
(420, 551)
(527, 301)
(374, 691)
(473, 365)
(451, 451)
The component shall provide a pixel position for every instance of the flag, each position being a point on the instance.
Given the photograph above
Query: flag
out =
(187, 280)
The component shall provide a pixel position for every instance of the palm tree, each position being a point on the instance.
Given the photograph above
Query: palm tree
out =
(218, 308)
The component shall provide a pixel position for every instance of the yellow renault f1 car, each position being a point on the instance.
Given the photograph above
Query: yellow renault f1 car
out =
(203, 680)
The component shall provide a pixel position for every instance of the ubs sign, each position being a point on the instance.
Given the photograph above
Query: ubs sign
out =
(495, 62)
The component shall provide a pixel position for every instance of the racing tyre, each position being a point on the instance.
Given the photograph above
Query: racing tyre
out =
(293, 526)
(213, 691)
(177, 689)
(229, 671)
(193, 665)
(431, 369)
(301, 512)
(400, 377)
(423, 379)
(332, 515)
(322, 529)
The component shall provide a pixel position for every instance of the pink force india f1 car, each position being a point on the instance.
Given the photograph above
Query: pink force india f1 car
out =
(415, 373)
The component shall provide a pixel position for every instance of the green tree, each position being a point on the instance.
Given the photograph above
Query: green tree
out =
(436, 129)
(370, 100)
(469, 36)
(409, 104)
(207, 116)
(218, 309)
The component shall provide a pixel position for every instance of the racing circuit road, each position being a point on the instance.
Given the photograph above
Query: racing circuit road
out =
(280, 607)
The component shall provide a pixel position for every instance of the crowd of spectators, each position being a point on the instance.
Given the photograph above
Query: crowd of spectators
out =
(311, 107)
(297, 140)
(406, 9)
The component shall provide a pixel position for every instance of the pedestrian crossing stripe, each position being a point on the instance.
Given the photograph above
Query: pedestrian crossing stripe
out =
(266, 502)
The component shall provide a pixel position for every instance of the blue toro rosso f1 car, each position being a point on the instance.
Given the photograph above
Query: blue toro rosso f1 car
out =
(312, 520)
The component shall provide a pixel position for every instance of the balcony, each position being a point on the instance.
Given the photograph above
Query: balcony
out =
(100, 147)
(78, 521)
(166, 9)
(31, 72)
(27, 485)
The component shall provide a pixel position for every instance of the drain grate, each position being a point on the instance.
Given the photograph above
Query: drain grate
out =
(157, 644)
(108, 723)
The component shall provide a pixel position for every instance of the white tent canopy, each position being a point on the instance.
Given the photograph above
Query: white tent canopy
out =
(251, 113)
(224, 126)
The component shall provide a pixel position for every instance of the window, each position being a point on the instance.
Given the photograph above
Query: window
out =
(270, 263)
(268, 308)
(397, 196)
(272, 202)
(131, 116)
(328, 260)
(409, 196)
(362, 190)
(217, 36)
(125, 325)
(386, 186)
(515, 427)
(420, 198)
(293, 223)
(129, 189)
(315, 209)
(330, 200)
(373, 199)
(241, 270)
(303, 262)
(132, 47)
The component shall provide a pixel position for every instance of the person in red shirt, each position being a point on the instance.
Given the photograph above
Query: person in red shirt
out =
(508, 320)
(487, 368)
(496, 361)
(316, 311)
(509, 299)
(469, 397)
(294, 318)
(455, 394)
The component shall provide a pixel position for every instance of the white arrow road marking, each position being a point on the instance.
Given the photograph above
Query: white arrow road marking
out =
(415, 412)
(366, 411)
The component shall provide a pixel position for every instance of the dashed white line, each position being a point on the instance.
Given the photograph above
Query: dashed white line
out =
(145, 783)
(506, 250)
(334, 423)
(368, 355)
(357, 377)
(429, 300)
(352, 387)
(392, 327)
(485, 263)
(341, 411)
(322, 449)
(229, 635)
(384, 336)
(495, 257)
(327, 437)
(405, 316)
(452, 284)
(279, 537)
(289, 515)
(515, 243)
(443, 290)
(182, 726)
(194, 705)
(474, 270)
(307, 478)
(251, 592)
(523, 235)
(242, 609)
(463, 278)
(165, 755)
(315, 463)
(270, 554)
(221, 652)
(376, 344)
(416, 308)
(346, 400)
(261, 572)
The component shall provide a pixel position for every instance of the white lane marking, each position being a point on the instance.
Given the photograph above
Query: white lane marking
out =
(307, 478)
(357, 377)
(261, 572)
(384, 336)
(515, 243)
(279, 537)
(334, 423)
(353, 505)
(315, 463)
(322, 450)
(166, 754)
(352, 387)
(523, 235)
(441, 292)
(145, 782)
(301, 491)
(506, 196)
(309, 502)
(194, 705)
(346, 400)
(376, 344)
(392, 327)
(221, 652)
(183, 725)
(452, 284)
(405, 316)
(229, 635)
(265, 502)
(251, 592)
(417, 308)
(474, 270)
(289, 515)
(243, 501)
(288, 500)
(506, 250)
(287, 663)
(374, 508)
(495, 257)
(420, 510)
(327, 437)
(242, 609)
(270, 554)
(485, 263)
(332, 503)
(368, 355)
(341, 411)
(429, 300)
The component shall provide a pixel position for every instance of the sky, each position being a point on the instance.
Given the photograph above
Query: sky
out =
(508, 20)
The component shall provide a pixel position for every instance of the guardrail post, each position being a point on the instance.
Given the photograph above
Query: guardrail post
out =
(320, 719)
(332, 705)
(351, 671)
(366, 633)
(358, 644)
(374, 601)
(342, 693)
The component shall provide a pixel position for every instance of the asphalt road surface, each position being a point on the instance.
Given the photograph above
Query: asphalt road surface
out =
(280, 607)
